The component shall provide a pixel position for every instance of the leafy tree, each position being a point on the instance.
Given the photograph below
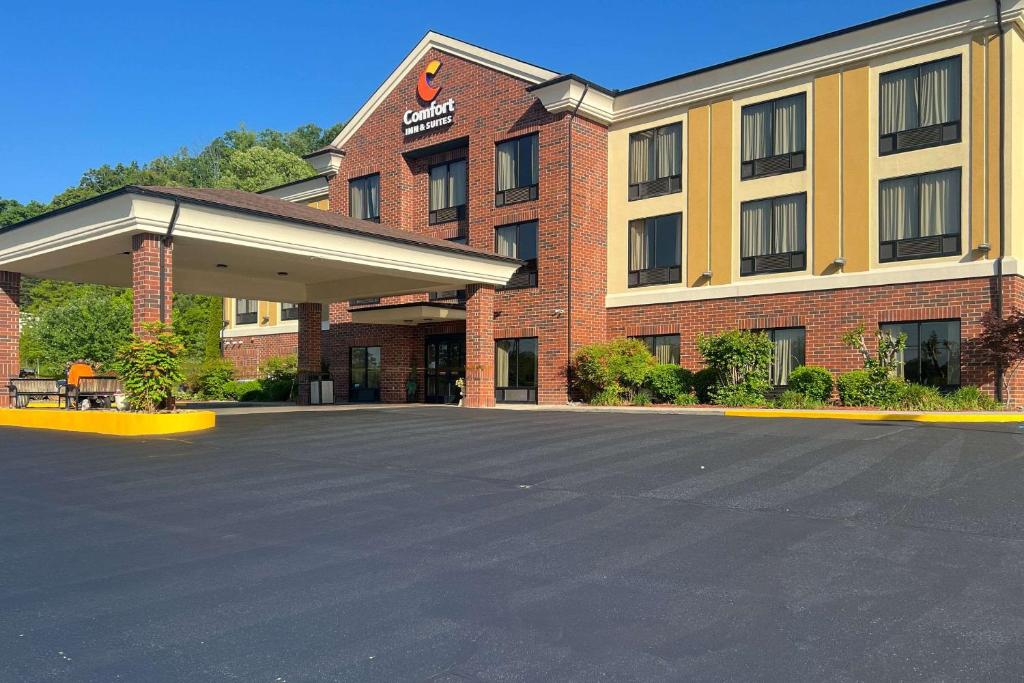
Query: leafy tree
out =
(1002, 341)
(150, 368)
(91, 327)
(257, 168)
(886, 362)
(197, 321)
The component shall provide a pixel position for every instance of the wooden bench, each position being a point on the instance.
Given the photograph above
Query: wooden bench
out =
(24, 389)
(99, 391)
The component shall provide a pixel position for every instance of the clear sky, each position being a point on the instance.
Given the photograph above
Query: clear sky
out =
(87, 83)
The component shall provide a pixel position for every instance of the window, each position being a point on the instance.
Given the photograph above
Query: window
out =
(919, 106)
(365, 301)
(456, 296)
(919, 216)
(932, 354)
(516, 171)
(515, 370)
(364, 198)
(364, 373)
(664, 347)
(774, 137)
(289, 311)
(656, 162)
(773, 235)
(519, 240)
(789, 353)
(448, 192)
(246, 311)
(654, 255)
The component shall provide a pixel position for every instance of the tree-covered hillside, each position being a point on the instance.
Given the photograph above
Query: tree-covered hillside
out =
(66, 321)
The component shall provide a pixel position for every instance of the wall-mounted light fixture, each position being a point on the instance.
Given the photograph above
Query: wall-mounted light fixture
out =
(984, 247)
(839, 261)
(706, 275)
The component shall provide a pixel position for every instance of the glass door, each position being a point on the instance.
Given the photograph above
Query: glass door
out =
(446, 363)
(364, 374)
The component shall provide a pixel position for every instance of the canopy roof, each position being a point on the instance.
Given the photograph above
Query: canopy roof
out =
(234, 243)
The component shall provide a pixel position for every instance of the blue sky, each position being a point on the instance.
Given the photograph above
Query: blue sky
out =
(93, 83)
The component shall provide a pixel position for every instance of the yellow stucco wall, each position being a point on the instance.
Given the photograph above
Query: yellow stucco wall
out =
(843, 170)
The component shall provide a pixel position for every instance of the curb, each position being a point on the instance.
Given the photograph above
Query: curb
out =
(876, 415)
(109, 423)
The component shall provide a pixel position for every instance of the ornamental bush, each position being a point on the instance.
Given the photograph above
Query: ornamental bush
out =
(250, 390)
(739, 396)
(740, 360)
(855, 388)
(619, 367)
(813, 382)
(971, 398)
(150, 368)
(866, 388)
(703, 382)
(206, 379)
(791, 399)
(668, 382)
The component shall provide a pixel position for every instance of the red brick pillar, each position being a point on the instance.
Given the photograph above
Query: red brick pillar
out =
(10, 329)
(310, 318)
(146, 268)
(479, 346)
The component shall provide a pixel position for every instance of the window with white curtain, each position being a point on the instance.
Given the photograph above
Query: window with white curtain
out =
(919, 106)
(447, 191)
(656, 161)
(654, 250)
(515, 370)
(773, 235)
(919, 216)
(516, 170)
(932, 353)
(246, 311)
(774, 137)
(519, 240)
(364, 197)
(664, 347)
(788, 354)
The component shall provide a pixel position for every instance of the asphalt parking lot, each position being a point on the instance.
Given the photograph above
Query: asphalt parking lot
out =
(457, 545)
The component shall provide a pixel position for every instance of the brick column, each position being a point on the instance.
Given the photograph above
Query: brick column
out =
(10, 329)
(146, 250)
(479, 346)
(310, 359)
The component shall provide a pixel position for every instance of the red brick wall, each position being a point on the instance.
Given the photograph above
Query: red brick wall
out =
(146, 280)
(10, 327)
(827, 315)
(492, 107)
(480, 346)
(250, 353)
(309, 348)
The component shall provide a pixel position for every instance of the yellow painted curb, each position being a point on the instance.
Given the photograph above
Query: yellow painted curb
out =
(876, 415)
(109, 422)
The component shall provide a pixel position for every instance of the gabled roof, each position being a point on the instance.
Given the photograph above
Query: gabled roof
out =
(516, 68)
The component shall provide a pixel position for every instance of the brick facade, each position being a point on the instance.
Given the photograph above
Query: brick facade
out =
(826, 315)
(309, 347)
(10, 325)
(492, 107)
(146, 268)
(250, 353)
(480, 337)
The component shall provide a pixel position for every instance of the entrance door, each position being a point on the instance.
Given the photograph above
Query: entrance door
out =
(446, 362)
(364, 374)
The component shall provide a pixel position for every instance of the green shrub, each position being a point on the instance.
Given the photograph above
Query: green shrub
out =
(917, 397)
(280, 368)
(643, 397)
(277, 389)
(150, 367)
(609, 396)
(741, 361)
(813, 382)
(620, 365)
(791, 399)
(687, 399)
(738, 396)
(856, 388)
(971, 398)
(667, 382)
(206, 379)
(703, 382)
(250, 390)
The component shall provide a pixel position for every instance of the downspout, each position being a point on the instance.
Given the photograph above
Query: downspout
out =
(998, 304)
(164, 243)
(568, 265)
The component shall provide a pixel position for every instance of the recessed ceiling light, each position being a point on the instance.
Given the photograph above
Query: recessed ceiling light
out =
(222, 265)
(282, 273)
(126, 253)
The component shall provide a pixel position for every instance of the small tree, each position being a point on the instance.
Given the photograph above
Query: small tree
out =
(886, 362)
(740, 359)
(616, 369)
(150, 367)
(1002, 342)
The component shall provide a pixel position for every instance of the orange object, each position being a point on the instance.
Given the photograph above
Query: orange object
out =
(78, 371)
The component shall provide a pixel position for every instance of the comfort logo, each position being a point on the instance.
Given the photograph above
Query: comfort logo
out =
(425, 88)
